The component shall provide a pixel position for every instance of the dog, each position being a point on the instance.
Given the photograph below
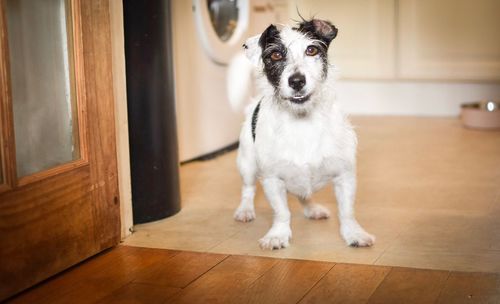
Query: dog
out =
(295, 138)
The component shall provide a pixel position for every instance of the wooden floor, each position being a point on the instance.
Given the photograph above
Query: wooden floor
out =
(140, 275)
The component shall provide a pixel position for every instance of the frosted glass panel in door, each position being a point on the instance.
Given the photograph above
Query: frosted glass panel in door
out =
(45, 122)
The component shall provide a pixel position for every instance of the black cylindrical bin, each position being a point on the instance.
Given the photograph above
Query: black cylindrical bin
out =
(151, 109)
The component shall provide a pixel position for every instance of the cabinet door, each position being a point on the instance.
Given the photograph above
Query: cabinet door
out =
(449, 39)
(58, 177)
(364, 47)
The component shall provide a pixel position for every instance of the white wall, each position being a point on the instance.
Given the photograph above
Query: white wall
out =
(410, 97)
(411, 57)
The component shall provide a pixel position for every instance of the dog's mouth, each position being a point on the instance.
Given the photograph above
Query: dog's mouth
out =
(299, 99)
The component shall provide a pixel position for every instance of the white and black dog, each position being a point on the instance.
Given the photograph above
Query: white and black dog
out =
(295, 138)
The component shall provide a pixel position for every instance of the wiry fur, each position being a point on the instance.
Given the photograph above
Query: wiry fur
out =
(300, 146)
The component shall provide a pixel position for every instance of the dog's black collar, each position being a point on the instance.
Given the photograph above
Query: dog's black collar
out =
(254, 119)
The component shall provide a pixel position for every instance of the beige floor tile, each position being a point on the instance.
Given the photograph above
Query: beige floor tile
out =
(495, 206)
(427, 188)
(329, 248)
(478, 260)
(194, 229)
(457, 233)
(448, 241)
(175, 240)
(197, 220)
(417, 197)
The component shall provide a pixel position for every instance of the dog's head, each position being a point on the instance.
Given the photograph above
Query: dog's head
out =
(294, 60)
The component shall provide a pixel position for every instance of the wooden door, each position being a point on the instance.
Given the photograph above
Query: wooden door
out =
(58, 173)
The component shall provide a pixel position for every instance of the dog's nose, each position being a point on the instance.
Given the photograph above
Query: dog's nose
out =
(297, 81)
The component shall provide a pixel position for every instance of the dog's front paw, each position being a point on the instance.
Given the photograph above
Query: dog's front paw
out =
(355, 236)
(244, 214)
(276, 239)
(316, 212)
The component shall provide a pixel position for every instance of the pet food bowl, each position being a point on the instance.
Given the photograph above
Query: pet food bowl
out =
(481, 115)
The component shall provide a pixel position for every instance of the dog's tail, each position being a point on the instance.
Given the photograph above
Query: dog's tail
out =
(239, 81)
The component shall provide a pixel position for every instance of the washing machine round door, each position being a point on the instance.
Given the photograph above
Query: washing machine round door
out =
(221, 26)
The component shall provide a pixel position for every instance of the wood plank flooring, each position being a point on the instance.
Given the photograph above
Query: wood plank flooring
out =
(128, 274)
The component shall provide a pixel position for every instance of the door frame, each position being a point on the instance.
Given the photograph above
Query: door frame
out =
(121, 116)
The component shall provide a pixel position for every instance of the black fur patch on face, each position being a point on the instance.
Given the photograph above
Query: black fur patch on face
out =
(270, 42)
(318, 29)
(322, 31)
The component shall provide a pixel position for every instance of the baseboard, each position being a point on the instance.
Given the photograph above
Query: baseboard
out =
(418, 98)
(213, 154)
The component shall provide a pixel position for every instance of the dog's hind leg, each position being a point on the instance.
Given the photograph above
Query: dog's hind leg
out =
(314, 211)
(280, 233)
(248, 172)
(351, 231)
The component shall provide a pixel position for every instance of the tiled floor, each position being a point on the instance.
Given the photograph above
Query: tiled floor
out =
(427, 188)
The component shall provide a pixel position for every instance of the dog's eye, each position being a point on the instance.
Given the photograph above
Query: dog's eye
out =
(312, 50)
(275, 56)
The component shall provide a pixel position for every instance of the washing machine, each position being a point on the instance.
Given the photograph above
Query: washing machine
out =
(206, 36)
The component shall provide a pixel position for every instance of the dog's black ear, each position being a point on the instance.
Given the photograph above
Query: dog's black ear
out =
(325, 29)
(268, 36)
(320, 29)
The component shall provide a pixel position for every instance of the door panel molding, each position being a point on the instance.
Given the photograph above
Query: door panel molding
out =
(7, 153)
(25, 180)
